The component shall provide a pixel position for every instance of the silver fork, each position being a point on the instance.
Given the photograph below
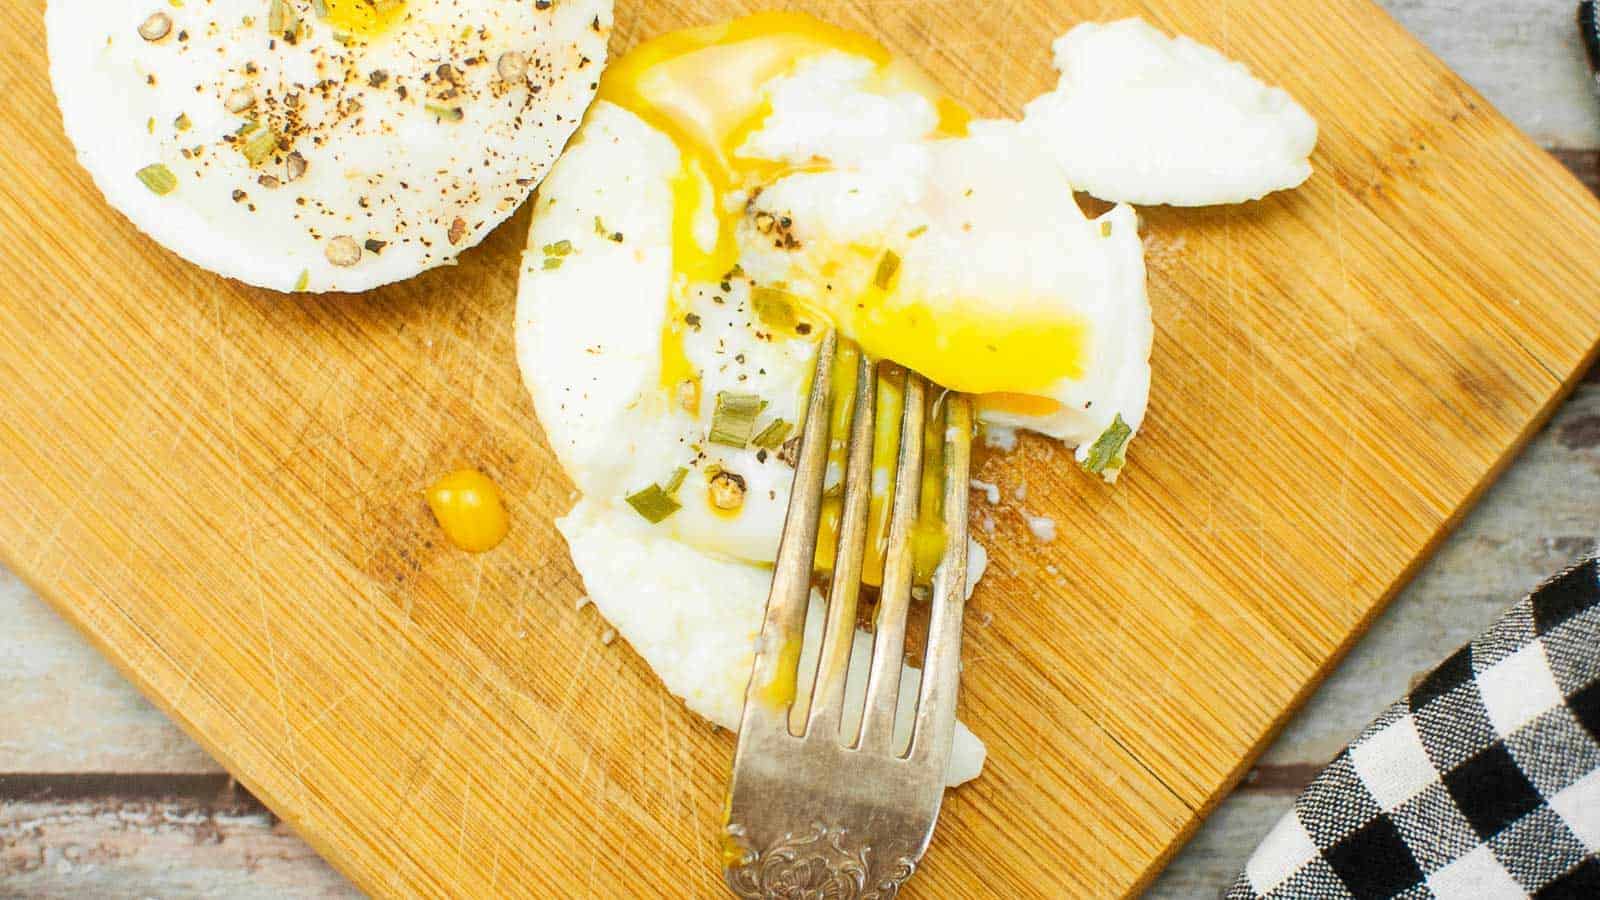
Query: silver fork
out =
(814, 812)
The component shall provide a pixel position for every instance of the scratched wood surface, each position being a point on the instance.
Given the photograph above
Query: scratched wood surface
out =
(219, 488)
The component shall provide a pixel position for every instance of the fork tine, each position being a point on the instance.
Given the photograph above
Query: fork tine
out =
(894, 600)
(773, 678)
(833, 663)
(941, 669)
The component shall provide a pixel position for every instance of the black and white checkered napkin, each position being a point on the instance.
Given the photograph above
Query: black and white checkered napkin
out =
(1483, 783)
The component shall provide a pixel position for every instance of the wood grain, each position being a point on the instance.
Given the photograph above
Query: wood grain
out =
(220, 487)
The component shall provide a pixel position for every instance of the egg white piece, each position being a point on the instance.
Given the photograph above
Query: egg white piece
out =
(380, 148)
(1140, 117)
(983, 227)
(695, 619)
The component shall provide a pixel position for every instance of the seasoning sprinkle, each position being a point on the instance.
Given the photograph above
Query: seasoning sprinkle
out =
(158, 178)
(727, 490)
(239, 100)
(512, 66)
(445, 113)
(157, 26)
(342, 251)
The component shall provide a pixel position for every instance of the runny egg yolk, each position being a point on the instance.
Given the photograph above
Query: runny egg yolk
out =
(706, 89)
(363, 18)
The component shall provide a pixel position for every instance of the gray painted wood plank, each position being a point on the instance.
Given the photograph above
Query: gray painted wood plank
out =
(1523, 55)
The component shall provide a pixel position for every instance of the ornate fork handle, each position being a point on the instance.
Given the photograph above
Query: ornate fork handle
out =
(819, 865)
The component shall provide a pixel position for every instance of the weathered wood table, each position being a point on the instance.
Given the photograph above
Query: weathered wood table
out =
(100, 796)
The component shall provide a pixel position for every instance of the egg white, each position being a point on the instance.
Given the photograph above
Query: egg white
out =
(409, 187)
(694, 618)
(1140, 117)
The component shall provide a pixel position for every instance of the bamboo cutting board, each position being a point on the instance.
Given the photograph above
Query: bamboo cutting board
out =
(221, 487)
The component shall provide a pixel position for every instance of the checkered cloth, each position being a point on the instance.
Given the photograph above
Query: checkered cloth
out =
(1483, 783)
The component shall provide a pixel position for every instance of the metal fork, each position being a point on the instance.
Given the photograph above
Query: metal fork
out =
(813, 812)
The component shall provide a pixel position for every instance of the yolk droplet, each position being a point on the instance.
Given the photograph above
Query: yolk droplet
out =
(468, 507)
(780, 691)
(363, 18)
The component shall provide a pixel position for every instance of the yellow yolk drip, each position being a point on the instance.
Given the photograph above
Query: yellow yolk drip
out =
(1019, 404)
(469, 510)
(978, 352)
(780, 691)
(363, 18)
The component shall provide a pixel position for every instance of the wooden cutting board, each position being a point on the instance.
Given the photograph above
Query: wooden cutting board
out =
(221, 487)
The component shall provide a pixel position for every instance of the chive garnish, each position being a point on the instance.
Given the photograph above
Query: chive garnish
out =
(888, 265)
(445, 113)
(158, 178)
(772, 436)
(559, 248)
(1110, 449)
(258, 142)
(676, 481)
(774, 307)
(734, 420)
(653, 504)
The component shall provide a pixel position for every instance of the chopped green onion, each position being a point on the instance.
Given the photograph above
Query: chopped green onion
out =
(1105, 229)
(159, 179)
(676, 481)
(258, 142)
(1109, 452)
(559, 248)
(446, 113)
(917, 232)
(734, 420)
(552, 262)
(282, 18)
(653, 504)
(182, 122)
(774, 307)
(301, 282)
(772, 436)
(888, 266)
